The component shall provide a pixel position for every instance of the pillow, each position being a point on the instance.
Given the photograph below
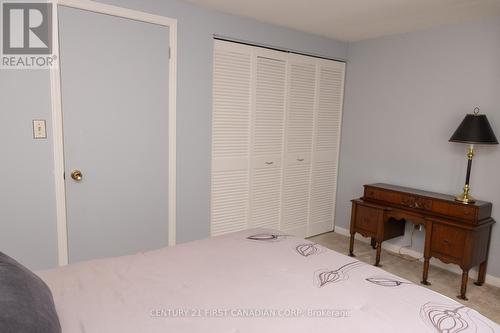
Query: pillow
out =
(26, 303)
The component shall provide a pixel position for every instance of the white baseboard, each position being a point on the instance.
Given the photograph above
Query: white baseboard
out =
(490, 279)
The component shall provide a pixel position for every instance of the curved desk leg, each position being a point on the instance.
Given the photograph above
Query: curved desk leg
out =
(379, 249)
(351, 245)
(482, 273)
(425, 274)
(427, 252)
(482, 267)
(463, 287)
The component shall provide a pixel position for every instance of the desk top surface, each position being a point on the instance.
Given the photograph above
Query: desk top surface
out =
(423, 193)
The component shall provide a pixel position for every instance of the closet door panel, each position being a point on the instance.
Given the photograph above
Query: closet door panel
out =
(230, 137)
(267, 141)
(326, 146)
(299, 141)
(231, 102)
(269, 105)
(266, 197)
(296, 199)
(322, 200)
(229, 201)
(301, 94)
(330, 93)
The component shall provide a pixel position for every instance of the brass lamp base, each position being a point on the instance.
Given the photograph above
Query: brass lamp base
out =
(465, 197)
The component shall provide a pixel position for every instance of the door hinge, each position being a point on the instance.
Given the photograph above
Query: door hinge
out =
(64, 175)
(169, 53)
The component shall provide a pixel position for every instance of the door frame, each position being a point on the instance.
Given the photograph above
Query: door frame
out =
(57, 117)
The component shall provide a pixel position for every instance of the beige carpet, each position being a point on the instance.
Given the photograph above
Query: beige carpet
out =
(485, 299)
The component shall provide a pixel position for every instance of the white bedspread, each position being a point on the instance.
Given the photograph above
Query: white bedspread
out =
(235, 284)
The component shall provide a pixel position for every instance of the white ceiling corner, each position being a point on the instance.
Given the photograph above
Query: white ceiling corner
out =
(354, 20)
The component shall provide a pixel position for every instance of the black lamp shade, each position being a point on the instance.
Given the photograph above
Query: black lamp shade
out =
(474, 129)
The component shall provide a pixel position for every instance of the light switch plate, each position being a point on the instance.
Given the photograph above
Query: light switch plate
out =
(39, 129)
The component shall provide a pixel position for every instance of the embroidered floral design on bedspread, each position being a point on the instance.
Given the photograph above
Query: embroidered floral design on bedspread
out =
(386, 281)
(455, 318)
(267, 237)
(308, 249)
(324, 277)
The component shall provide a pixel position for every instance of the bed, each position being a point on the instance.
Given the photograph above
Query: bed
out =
(251, 281)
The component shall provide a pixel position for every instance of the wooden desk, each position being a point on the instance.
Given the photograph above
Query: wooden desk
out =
(454, 232)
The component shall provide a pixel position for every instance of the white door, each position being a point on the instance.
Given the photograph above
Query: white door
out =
(326, 144)
(299, 141)
(247, 132)
(267, 128)
(230, 137)
(114, 79)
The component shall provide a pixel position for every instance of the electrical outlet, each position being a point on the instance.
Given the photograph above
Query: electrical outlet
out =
(39, 129)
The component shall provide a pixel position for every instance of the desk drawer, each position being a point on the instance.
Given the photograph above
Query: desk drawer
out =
(458, 210)
(382, 195)
(367, 219)
(415, 202)
(403, 199)
(448, 241)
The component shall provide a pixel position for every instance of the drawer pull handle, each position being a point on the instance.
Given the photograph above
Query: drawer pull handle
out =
(300, 159)
(446, 241)
(269, 163)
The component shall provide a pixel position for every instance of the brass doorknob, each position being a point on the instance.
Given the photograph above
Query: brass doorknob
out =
(76, 175)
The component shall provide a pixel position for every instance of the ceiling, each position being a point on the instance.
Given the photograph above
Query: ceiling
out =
(354, 20)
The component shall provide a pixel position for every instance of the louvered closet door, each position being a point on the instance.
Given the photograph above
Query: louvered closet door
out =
(299, 140)
(230, 137)
(267, 138)
(276, 130)
(330, 83)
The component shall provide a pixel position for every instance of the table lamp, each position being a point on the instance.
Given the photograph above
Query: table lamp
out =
(474, 129)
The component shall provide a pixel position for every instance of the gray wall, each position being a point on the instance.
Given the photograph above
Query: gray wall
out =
(405, 95)
(27, 211)
(27, 195)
